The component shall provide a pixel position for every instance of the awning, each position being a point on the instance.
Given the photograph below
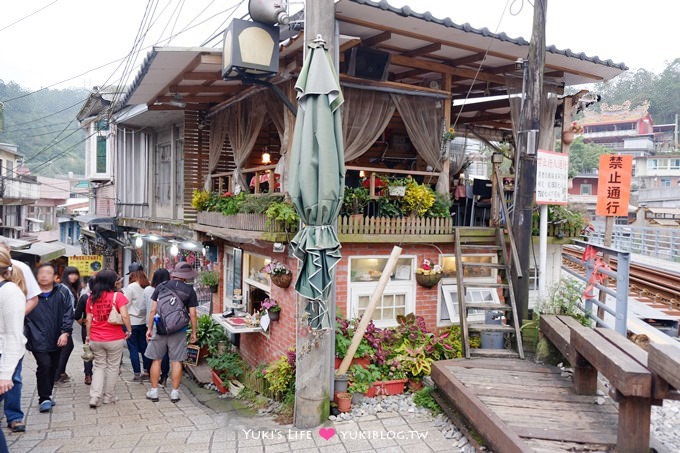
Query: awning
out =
(15, 244)
(33, 220)
(45, 251)
(93, 219)
(664, 222)
(70, 250)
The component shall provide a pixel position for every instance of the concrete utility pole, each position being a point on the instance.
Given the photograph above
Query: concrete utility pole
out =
(526, 184)
(314, 368)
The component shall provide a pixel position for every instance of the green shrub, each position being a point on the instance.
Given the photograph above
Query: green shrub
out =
(423, 398)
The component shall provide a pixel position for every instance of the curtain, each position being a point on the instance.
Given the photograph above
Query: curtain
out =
(218, 134)
(279, 115)
(423, 118)
(365, 115)
(245, 121)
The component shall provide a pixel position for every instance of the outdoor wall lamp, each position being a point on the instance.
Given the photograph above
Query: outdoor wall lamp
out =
(266, 158)
(250, 50)
(268, 11)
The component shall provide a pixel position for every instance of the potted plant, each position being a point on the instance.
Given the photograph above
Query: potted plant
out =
(272, 307)
(343, 338)
(224, 369)
(397, 187)
(569, 132)
(283, 212)
(210, 279)
(428, 275)
(354, 201)
(361, 379)
(279, 274)
(344, 401)
(208, 334)
(418, 198)
(415, 362)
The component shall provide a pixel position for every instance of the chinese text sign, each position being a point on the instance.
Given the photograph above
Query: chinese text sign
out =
(613, 185)
(552, 171)
(87, 265)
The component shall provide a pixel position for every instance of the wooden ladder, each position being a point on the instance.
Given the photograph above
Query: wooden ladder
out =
(475, 239)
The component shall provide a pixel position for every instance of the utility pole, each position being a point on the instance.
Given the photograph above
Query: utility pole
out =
(314, 367)
(526, 184)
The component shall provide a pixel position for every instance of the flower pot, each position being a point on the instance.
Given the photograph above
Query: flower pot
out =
(364, 362)
(218, 382)
(397, 191)
(341, 381)
(357, 397)
(344, 402)
(213, 289)
(203, 352)
(282, 280)
(395, 387)
(428, 280)
(274, 315)
(567, 137)
(235, 387)
(415, 385)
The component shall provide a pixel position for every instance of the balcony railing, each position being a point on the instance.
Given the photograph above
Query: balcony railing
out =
(18, 189)
(400, 229)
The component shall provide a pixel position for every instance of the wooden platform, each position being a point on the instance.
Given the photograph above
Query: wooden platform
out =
(517, 405)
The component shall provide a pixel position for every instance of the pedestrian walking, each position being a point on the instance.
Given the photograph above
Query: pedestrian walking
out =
(106, 336)
(24, 277)
(48, 327)
(81, 318)
(171, 321)
(71, 279)
(137, 310)
(160, 276)
(12, 341)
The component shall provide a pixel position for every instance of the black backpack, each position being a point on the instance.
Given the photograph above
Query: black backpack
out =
(172, 316)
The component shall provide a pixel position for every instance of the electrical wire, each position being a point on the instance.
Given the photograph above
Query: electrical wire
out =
(47, 116)
(26, 17)
(220, 29)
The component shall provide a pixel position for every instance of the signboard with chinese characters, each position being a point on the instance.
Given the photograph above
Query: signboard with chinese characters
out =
(87, 265)
(613, 185)
(552, 181)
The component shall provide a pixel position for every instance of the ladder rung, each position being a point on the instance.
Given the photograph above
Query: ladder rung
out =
(487, 265)
(487, 285)
(479, 246)
(494, 353)
(490, 328)
(483, 306)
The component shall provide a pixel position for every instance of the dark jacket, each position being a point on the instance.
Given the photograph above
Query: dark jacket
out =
(49, 319)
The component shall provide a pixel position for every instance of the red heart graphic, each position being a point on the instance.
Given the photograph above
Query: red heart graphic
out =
(327, 433)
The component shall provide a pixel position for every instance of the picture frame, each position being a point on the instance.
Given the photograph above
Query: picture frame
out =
(193, 354)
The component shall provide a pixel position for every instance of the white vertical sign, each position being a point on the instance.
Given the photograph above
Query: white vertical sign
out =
(552, 171)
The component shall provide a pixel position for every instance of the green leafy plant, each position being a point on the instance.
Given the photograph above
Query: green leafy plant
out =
(355, 200)
(414, 360)
(280, 375)
(418, 200)
(361, 379)
(440, 207)
(229, 365)
(201, 200)
(564, 299)
(343, 338)
(423, 398)
(258, 203)
(281, 211)
(208, 331)
(388, 207)
(230, 204)
(391, 371)
(209, 278)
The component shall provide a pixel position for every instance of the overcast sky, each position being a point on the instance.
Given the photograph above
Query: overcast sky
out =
(71, 37)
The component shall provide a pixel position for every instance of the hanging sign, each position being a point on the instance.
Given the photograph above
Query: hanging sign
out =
(552, 177)
(87, 265)
(613, 185)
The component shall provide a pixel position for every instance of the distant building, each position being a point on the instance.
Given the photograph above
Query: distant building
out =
(620, 128)
(17, 190)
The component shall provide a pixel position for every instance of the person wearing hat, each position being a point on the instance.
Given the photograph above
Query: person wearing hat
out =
(174, 344)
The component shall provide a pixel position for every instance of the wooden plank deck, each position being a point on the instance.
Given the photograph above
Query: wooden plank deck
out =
(520, 406)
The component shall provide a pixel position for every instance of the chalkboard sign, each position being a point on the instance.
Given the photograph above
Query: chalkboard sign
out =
(238, 268)
(192, 355)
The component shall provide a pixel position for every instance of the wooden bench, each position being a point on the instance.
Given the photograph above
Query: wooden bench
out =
(637, 379)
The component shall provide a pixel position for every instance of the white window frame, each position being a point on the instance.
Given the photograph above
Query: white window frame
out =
(394, 287)
(587, 192)
(448, 294)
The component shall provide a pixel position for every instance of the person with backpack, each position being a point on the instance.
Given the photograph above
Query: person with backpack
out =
(173, 307)
(160, 276)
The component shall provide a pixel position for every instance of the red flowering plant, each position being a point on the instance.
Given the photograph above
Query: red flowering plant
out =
(427, 268)
(270, 305)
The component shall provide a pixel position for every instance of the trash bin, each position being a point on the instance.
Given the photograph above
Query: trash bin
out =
(491, 339)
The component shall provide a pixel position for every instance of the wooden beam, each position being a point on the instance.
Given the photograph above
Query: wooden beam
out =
(434, 47)
(483, 106)
(410, 74)
(198, 107)
(193, 64)
(202, 75)
(193, 99)
(349, 44)
(208, 58)
(467, 60)
(396, 85)
(377, 39)
(193, 89)
(502, 69)
(484, 118)
(434, 66)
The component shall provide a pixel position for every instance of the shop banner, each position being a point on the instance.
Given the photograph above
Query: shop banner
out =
(87, 265)
(552, 177)
(613, 185)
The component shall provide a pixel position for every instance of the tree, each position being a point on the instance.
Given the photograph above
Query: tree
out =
(584, 157)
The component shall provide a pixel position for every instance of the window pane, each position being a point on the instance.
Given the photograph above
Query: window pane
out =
(101, 155)
(363, 302)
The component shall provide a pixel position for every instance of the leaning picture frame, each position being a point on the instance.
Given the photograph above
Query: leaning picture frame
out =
(193, 354)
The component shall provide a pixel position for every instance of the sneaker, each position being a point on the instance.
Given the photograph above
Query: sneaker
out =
(152, 395)
(174, 396)
(88, 380)
(64, 378)
(94, 403)
(17, 426)
(137, 378)
(111, 400)
(146, 377)
(46, 406)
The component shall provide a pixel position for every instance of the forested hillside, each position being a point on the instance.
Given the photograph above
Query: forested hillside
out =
(44, 126)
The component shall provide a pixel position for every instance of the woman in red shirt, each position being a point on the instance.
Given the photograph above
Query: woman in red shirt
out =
(105, 339)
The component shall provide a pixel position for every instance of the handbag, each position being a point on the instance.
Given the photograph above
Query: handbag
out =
(115, 317)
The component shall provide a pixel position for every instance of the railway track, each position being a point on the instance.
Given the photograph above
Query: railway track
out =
(656, 284)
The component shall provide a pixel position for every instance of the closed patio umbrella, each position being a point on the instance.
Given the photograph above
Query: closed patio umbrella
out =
(317, 173)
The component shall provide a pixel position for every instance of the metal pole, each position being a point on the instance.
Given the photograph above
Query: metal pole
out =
(543, 253)
(622, 277)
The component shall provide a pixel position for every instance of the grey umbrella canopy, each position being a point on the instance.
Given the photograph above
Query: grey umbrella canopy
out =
(317, 172)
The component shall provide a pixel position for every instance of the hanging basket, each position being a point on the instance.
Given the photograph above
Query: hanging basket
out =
(567, 137)
(428, 280)
(282, 280)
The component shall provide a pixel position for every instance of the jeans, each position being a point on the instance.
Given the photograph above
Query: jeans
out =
(137, 345)
(12, 406)
(107, 355)
(63, 358)
(3, 441)
(87, 366)
(48, 362)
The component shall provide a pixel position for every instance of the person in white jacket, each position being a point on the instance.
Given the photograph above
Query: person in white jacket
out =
(12, 340)
(137, 310)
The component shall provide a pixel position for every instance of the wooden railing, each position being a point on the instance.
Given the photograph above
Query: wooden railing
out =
(373, 173)
(224, 182)
(243, 222)
(409, 229)
(502, 217)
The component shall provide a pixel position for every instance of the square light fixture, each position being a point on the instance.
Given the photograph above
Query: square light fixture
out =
(250, 50)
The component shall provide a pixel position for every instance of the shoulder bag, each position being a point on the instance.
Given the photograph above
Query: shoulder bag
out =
(115, 317)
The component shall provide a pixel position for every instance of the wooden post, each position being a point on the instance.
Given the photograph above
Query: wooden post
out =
(366, 318)
(633, 429)
(585, 376)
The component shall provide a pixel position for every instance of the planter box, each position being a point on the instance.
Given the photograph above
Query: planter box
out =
(395, 387)
(221, 387)
(363, 361)
(244, 222)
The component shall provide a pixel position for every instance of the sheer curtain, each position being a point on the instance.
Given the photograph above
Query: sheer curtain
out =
(365, 115)
(423, 117)
(278, 113)
(218, 134)
(245, 121)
